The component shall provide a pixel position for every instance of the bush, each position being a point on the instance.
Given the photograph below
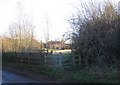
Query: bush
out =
(95, 38)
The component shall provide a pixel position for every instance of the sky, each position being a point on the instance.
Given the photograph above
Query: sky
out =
(57, 12)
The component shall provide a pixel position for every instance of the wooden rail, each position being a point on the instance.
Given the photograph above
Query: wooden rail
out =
(40, 60)
(30, 59)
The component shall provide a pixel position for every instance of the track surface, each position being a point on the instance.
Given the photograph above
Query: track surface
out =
(8, 77)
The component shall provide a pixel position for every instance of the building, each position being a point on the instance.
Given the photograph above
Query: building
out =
(61, 45)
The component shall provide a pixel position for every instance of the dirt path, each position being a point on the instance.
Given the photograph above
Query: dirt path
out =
(37, 78)
(9, 77)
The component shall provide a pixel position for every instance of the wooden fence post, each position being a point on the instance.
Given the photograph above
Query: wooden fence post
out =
(45, 58)
(20, 58)
(28, 59)
(60, 61)
(50, 59)
(73, 60)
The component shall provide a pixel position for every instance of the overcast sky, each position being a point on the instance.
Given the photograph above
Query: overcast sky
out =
(58, 11)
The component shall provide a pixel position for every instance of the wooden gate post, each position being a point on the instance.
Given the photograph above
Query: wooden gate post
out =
(60, 61)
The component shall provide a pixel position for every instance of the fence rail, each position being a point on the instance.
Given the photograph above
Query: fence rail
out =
(39, 60)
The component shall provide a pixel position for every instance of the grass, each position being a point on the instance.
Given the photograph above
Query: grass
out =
(90, 74)
(64, 54)
(81, 77)
(93, 74)
(53, 73)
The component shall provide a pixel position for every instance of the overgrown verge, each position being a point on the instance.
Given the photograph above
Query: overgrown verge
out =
(90, 74)
(52, 73)
(93, 74)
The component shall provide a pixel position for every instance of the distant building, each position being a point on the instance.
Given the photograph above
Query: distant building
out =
(58, 45)
(67, 46)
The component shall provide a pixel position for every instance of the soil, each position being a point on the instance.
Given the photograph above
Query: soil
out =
(39, 77)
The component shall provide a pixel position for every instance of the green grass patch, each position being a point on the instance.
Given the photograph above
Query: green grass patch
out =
(53, 73)
(81, 77)
(93, 74)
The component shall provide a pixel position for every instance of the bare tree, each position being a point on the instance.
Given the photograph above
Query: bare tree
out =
(46, 32)
(22, 32)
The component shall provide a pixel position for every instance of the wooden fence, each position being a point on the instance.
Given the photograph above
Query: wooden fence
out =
(39, 60)
(63, 61)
